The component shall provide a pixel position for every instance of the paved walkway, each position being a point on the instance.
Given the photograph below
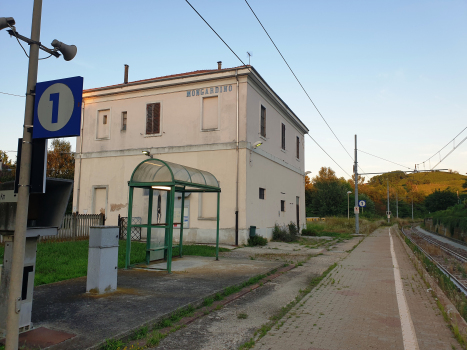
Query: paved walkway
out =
(357, 307)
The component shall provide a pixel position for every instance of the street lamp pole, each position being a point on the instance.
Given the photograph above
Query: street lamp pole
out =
(348, 204)
(17, 266)
(356, 187)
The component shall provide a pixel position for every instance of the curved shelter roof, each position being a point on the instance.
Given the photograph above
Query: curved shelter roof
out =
(156, 172)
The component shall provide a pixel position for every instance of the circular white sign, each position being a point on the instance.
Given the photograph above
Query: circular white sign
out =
(362, 203)
(55, 107)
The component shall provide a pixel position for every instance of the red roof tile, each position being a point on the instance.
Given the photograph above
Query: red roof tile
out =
(167, 76)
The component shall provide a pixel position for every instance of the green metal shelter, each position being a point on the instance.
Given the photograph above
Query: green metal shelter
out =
(156, 174)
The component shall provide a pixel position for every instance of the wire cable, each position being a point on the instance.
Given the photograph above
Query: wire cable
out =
(14, 31)
(296, 78)
(245, 65)
(429, 159)
(384, 159)
(329, 156)
(5, 93)
(460, 143)
(215, 32)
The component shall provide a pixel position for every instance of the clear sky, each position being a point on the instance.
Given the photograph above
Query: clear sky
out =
(393, 72)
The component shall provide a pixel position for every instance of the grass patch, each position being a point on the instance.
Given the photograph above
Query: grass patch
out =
(242, 316)
(111, 344)
(340, 227)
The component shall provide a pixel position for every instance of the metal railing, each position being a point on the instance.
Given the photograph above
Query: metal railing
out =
(135, 231)
(76, 226)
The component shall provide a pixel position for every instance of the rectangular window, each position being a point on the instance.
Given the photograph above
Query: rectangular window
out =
(124, 120)
(283, 136)
(103, 124)
(263, 121)
(153, 118)
(282, 205)
(261, 193)
(210, 113)
(298, 147)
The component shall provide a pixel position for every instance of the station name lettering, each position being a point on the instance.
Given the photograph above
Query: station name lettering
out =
(209, 91)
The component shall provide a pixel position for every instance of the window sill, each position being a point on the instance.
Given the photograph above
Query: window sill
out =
(207, 130)
(152, 135)
(102, 138)
(283, 150)
(262, 137)
(297, 159)
(207, 219)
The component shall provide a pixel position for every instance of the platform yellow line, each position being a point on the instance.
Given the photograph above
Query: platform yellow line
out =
(408, 331)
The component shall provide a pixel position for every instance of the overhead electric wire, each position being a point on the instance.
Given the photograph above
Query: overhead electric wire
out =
(215, 32)
(384, 159)
(296, 78)
(444, 148)
(245, 65)
(460, 143)
(6, 93)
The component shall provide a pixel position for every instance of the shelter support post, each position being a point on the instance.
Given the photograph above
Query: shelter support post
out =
(217, 231)
(170, 223)
(128, 228)
(182, 215)
(148, 230)
(167, 214)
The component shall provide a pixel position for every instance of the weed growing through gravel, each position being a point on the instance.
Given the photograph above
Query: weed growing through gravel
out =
(242, 316)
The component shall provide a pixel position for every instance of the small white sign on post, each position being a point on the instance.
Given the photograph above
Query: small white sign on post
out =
(356, 210)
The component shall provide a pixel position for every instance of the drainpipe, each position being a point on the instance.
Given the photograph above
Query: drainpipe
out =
(236, 185)
(80, 159)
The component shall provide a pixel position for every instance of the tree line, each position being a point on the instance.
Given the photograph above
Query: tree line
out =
(328, 195)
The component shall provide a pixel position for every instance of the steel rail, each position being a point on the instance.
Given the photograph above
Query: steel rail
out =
(459, 285)
(436, 243)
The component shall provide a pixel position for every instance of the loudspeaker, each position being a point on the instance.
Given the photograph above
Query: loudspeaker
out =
(5, 22)
(68, 51)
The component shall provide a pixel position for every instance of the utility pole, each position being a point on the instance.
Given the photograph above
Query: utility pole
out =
(397, 204)
(19, 240)
(355, 169)
(388, 200)
(412, 206)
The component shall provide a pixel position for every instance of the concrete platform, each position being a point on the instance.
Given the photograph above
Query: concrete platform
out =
(373, 299)
(143, 297)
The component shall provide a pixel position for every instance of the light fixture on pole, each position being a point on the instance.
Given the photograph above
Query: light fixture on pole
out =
(348, 204)
(257, 144)
(19, 238)
(147, 153)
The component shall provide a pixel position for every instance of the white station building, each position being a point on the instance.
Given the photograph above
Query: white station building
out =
(212, 120)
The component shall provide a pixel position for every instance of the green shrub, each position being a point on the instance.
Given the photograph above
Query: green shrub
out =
(285, 234)
(257, 240)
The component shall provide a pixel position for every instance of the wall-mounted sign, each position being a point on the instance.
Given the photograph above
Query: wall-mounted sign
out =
(209, 91)
(57, 110)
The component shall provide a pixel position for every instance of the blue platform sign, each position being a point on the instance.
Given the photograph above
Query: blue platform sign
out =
(361, 203)
(57, 110)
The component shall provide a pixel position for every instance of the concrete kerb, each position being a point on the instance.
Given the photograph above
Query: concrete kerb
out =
(456, 320)
(124, 336)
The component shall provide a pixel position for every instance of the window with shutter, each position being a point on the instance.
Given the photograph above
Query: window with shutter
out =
(283, 136)
(153, 118)
(263, 121)
(298, 147)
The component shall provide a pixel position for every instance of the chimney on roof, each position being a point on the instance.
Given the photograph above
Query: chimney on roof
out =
(219, 65)
(125, 78)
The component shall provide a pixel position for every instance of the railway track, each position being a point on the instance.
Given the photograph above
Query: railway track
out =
(458, 279)
(462, 256)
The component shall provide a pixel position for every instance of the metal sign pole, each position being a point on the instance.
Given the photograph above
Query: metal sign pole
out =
(14, 297)
(356, 188)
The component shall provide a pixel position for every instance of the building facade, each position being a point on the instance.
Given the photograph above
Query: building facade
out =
(211, 120)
